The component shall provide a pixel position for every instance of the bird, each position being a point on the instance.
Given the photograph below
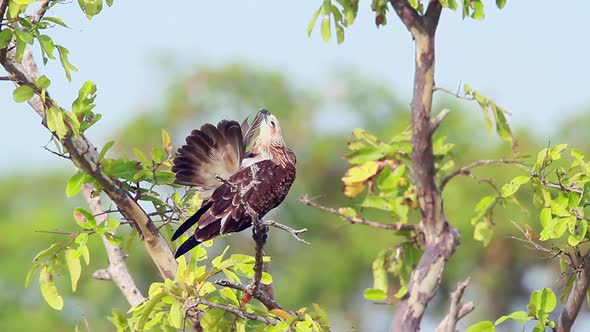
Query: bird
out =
(233, 182)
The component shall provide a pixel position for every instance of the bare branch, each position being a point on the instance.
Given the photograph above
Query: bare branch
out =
(236, 311)
(465, 170)
(576, 297)
(356, 220)
(85, 156)
(294, 232)
(40, 12)
(435, 122)
(117, 270)
(3, 6)
(449, 323)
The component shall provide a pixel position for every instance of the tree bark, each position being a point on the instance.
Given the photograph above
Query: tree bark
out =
(439, 237)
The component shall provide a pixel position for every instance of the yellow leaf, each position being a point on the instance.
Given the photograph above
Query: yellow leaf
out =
(281, 313)
(301, 311)
(73, 262)
(353, 189)
(361, 173)
(49, 290)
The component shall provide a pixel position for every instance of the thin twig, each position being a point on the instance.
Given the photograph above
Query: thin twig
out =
(466, 169)
(236, 311)
(294, 232)
(454, 94)
(449, 323)
(357, 220)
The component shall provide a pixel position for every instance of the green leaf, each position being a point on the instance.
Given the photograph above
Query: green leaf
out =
(230, 296)
(104, 149)
(90, 7)
(53, 248)
(380, 273)
(483, 232)
(374, 294)
(326, 32)
(519, 316)
(75, 184)
(23, 93)
(84, 218)
(55, 121)
(478, 12)
(502, 127)
(542, 302)
(42, 82)
(109, 3)
(500, 3)
(25, 36)
(65, 62)
(546, 217)
(47, 47)
(5, 37)
(124, 169)
(512, 187)
(73, 262)
(49, 290)
(31, 273)
(339, 33)
(55, 20)
(312, 22)
(485, 326)
(176, 315)
(148, 307)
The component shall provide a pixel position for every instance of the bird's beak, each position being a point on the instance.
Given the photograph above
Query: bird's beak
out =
(264, 114)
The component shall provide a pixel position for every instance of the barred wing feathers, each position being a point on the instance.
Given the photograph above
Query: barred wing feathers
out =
(209, 152)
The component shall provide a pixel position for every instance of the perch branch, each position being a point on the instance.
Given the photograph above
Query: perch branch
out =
(465, 170)
(266, 300)
(236, 311)
(85, 156)
(356, 220)
(457, 310)
(117, 270)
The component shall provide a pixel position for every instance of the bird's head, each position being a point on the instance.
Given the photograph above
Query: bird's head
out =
(270, 130)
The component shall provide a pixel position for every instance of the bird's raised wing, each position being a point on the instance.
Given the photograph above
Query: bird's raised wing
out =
(208, 153)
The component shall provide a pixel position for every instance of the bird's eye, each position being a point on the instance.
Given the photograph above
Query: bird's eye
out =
(272, 123)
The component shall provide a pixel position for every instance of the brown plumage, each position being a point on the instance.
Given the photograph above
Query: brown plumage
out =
(220, 151)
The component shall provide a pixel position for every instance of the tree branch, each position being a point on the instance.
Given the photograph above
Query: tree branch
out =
(356, 220)
(85, 156)
(576, 297)
(117, 270)
(40, 12)
(266, 300)
(294, 232)
(440, 238)
(409, 16)
(456, 310)
(236, 311)
(465, 169)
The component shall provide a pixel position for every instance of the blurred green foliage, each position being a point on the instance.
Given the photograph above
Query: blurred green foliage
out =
(317, 122)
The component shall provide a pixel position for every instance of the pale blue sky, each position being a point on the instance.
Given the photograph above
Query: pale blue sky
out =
(531, 57)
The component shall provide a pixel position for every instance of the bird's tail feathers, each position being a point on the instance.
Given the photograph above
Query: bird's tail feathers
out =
(186, 246)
